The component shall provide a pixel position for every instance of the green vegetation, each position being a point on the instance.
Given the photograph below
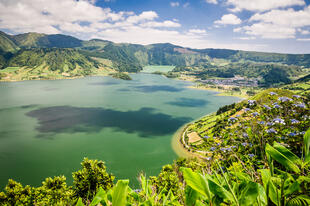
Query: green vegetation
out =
(283, 181)
(121, 75)
(269, 68)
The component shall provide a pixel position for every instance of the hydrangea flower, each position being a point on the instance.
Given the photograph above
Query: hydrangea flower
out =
(251, 102)
(232, 119)
(261, 122)
(255, 114)
(279, 121)
(271, 130)
(301, 105)
(272, 93)
(269, 124)
(294, 121)
(292, 134)
(267, 107)
(284, 99)
(251, 155)
(276, 105)
(247, 109)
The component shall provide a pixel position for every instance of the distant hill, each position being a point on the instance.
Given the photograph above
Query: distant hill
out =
(132, 57)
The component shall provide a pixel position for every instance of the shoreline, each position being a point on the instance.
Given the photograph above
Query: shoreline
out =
(177, 141)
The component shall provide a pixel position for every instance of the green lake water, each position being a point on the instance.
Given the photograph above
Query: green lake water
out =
(48, 127)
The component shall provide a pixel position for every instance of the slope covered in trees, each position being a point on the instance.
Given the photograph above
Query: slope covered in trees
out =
(132, 57)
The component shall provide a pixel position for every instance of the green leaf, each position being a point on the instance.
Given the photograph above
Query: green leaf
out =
(292, 188)
(120, 193)
(290, 155)
(101, 195)
(265, 173)
(190, 196)
(299, 200)
(196, 181)
(249, 194)
(307, 143)
(274, 193)
(262, 197)
(80, 202)
(282, 159)
(220, 191)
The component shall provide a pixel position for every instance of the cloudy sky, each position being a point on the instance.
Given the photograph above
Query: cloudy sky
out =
(260, 25)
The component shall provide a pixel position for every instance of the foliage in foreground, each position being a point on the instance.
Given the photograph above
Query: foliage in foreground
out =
(186, 182)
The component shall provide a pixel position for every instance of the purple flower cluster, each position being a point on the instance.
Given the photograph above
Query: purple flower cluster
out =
(267, 107)
(247, 109)
(284, 99)
(276, 105)
(251, 102)
(272, 93)
(292, 134)
(261, 122)
(255, 114)
(278, 121)
(294, 121)
(270, 123)
(301, 105)
(271, 130)
(251, 155)
(232, 119)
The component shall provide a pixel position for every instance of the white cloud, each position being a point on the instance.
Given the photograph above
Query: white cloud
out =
(278, 24)
(174, 4)
(197, 31)
(83, 19)
(303, 39)
(247, 38)
(304, 32)
(186, 5)
(288, 17)
(211, 1)
(262, 5)
(228, 19)
(170, 24)
(270, 31)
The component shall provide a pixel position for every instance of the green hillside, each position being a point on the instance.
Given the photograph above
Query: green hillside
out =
(269, 68)
(6, 43)
(49, 63)
(245, 128)
(37, 40)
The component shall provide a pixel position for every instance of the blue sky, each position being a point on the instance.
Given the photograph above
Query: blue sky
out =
(260, 25)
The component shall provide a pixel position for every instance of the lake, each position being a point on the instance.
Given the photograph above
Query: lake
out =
(48, 127)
